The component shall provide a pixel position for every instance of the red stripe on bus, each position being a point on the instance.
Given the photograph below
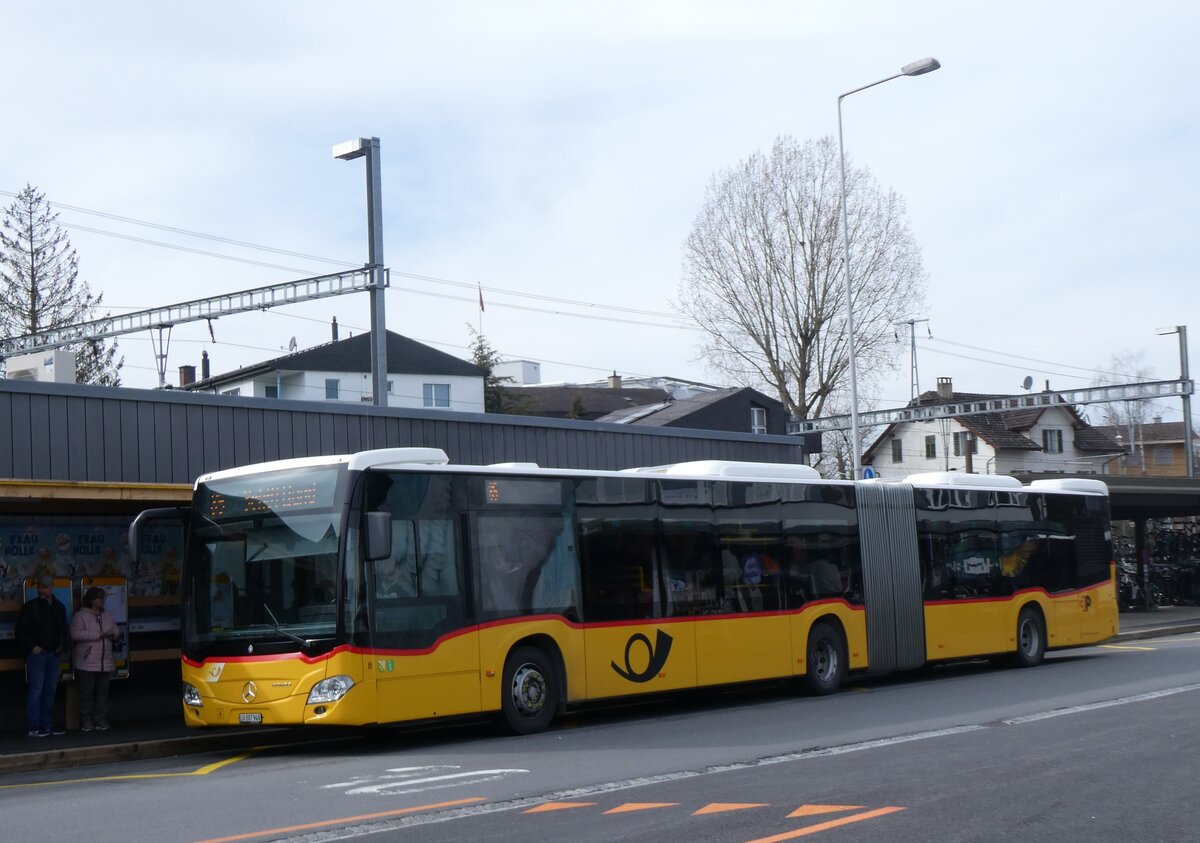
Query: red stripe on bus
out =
(525, 619)
(1055, 596)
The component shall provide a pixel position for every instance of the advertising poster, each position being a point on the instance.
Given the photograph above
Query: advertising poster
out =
(76, 551)
(116, 603)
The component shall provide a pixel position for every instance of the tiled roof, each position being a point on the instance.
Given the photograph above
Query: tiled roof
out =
(1149, 434)
(675, 410)
(1004, 430)
(558, 401)
(404, 357)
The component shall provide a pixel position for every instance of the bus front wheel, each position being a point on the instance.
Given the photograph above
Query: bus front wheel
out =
(1031, 639)
(530, 691)
(827, 664)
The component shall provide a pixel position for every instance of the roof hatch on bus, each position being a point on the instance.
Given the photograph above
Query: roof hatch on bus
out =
(955, 478)
(389, 457)
(747, 470)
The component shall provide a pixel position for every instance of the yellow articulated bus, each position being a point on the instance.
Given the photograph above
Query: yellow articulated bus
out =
(390, 586)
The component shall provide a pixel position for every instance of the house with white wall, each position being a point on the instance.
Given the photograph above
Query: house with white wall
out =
(417, 376)
(1046, 440)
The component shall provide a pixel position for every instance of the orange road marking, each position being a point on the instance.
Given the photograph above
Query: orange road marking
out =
(721, 807)
(825, 826)
(341, 820)
(813, 810)
(639, 806)
(557, 806)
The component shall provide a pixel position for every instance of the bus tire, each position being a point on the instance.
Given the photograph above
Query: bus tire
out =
(1031, 639)
(826, 662)
(530, 690)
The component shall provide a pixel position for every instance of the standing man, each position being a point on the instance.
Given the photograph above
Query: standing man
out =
(42, 634)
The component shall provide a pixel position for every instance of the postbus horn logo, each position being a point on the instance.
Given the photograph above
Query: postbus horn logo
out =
(658, 657)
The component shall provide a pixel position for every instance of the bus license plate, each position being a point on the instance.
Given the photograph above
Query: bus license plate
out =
(251, 718)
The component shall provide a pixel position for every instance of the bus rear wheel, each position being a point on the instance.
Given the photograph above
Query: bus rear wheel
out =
(827, 665)
(530, 691)
(1031, 639)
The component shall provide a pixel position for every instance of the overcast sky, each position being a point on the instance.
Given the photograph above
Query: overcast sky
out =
(563, 149)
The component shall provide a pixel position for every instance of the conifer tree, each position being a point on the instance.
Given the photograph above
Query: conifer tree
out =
(40, 288)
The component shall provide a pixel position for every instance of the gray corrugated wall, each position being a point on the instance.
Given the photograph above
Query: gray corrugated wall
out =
(78, 433)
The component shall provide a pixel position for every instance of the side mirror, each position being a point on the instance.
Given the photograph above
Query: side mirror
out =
(378, 536)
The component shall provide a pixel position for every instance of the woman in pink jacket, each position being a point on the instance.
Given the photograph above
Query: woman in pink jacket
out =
(93, 630)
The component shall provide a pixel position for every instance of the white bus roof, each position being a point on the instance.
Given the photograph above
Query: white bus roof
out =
(379, 458)
(436, 458)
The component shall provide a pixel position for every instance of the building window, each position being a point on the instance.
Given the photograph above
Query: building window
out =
(237, 390)
(331, 389)
(758, 420)
(897, 450)
(1164, 456)
(930, 447)
(272, 391)
(436, 394)
(1052, 442)
(389, 387)
(960, 443)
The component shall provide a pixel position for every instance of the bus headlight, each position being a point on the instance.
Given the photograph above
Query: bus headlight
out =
(330, 690)
(191, 695)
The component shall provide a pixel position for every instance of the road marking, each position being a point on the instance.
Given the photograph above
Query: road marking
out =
(341, 820)
(813, 810)
(825, 826)
(1077, 709)
(1125, 647)
(630, 807)
(199, 771)
(558, 806)
(722, 807)
(628, 784)
(398, 781)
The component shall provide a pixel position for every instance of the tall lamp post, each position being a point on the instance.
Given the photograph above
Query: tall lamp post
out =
(348, 151)
(916, 68)
(1187, 393)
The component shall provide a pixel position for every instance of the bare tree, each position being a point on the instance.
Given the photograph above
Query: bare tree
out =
(1126, 416)
(40, 287)
(763, 275)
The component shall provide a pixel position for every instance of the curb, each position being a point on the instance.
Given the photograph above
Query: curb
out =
(25, 762)
(1158, 631)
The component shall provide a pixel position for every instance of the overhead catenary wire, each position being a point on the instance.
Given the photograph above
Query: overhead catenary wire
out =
(306, 256)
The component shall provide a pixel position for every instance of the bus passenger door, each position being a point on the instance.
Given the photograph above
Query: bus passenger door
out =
(423, 663)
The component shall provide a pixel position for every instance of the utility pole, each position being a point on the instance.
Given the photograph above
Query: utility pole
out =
(348, 151)
(914, 376)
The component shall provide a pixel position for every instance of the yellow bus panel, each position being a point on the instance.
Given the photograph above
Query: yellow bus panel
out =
(640, 658)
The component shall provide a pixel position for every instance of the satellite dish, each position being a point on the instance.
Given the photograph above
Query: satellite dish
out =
(1027, 384)
(292, 347)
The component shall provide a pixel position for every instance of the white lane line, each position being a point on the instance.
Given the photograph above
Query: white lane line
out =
(398, 781)
(1077, 709)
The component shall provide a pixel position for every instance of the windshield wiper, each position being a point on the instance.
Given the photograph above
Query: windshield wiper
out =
(304, 642)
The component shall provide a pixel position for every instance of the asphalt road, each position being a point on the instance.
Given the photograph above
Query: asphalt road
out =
(1096, 744)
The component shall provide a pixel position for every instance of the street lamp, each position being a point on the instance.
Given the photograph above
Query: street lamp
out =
(1187, 392)
(916, 68)
(348, 151)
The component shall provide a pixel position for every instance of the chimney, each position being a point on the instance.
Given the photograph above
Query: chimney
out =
(187, 375)
(945, 389)
(1158, 419)
(204, 373)
(614, 381)
(335, 336)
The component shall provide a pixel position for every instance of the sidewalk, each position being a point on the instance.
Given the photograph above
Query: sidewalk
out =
(163, 736)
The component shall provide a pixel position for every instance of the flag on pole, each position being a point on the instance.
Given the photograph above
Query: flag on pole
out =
(481, 308)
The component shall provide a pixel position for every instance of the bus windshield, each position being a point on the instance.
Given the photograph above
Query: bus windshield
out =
(262, 560)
